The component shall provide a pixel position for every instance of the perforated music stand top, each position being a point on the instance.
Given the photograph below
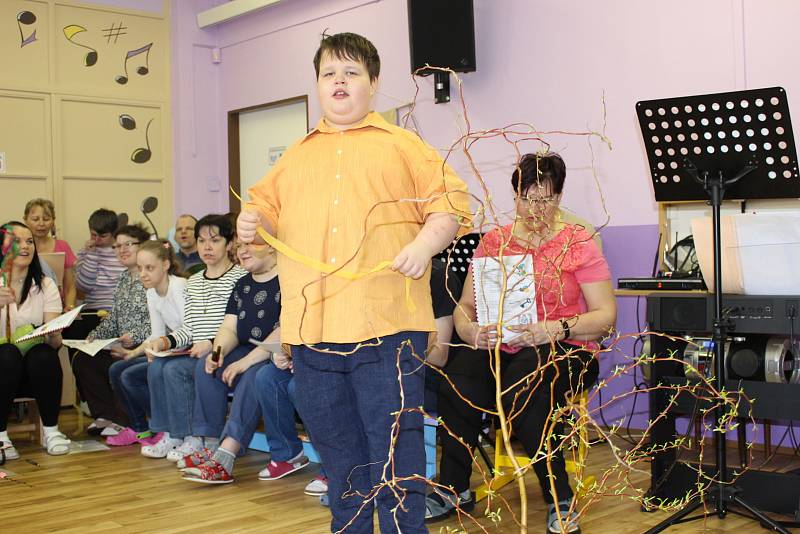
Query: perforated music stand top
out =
(460, 254)
(721, 132)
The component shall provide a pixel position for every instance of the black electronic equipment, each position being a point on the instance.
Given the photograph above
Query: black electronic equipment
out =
(756, 357)
(662, 284)
(740, 145)
(441, 33)
(682, 313)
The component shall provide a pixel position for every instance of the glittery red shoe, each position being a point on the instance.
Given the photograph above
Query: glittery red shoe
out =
(210, 472)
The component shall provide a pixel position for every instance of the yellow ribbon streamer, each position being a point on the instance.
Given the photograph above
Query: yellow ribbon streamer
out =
(327, 268)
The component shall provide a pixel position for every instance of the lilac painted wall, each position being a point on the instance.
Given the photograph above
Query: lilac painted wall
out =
(199, 163)
(149, 6)
(544, 62)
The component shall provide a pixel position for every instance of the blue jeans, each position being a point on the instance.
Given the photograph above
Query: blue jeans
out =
(276, 395)
(171, 383)
(129, 382)
(346, 403)
(245, 415)
(211, 399)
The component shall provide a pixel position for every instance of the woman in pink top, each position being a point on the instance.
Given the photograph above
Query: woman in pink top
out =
(28, 369)
(575, 307)
(40, 216)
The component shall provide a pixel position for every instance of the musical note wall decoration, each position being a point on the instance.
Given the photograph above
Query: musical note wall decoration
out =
(26, 18)
(141, 70)
(141, 154)
(70, 32)
(114, 32)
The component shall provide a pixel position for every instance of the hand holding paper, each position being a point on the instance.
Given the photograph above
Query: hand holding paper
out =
(56, 325)
(516, 288)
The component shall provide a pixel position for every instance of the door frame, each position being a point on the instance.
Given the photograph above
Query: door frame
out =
(234, 162)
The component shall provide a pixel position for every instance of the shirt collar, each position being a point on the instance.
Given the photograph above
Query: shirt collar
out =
(372, 119)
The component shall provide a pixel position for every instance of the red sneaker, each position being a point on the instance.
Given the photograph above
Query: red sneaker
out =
(210, 472)
(276, 470)
(196, 459)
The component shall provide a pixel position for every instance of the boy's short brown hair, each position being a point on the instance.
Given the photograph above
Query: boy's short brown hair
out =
(350, 46)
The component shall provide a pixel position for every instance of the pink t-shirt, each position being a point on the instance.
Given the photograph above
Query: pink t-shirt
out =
(69, 256)
(560, 266)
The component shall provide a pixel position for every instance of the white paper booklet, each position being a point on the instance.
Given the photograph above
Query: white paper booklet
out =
(90, 347)
(488, 281)
(56, 325)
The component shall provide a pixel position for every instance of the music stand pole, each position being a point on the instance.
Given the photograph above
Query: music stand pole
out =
(722, 492)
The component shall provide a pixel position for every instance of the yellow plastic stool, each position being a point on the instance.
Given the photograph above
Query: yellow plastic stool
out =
(575, 465)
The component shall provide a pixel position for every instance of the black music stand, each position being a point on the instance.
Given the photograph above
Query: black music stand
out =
(701, 147)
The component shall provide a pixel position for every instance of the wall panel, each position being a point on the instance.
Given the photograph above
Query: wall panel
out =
(85, 108)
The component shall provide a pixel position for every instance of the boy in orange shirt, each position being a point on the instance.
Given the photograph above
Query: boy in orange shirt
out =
(352, 193)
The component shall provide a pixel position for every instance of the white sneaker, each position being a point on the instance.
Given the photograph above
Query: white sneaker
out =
(190, 445)
(317, 487)
(112, 430)
(161, 448)
(10, 451)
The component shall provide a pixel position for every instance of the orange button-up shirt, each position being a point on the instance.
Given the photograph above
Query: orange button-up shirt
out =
(354, 198)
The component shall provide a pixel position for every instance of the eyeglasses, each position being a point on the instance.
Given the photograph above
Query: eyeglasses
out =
(539, 200)
(125, 246)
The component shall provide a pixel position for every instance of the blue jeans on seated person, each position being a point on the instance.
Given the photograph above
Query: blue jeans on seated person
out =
(211, 399)
(129, 382)
(244, 416)
(346, 403)
(171, 384)
(276, 394)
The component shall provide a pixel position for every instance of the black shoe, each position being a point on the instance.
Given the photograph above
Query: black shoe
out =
(438, 507)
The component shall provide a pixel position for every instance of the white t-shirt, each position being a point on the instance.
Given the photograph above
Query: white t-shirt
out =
(38, 302)
(166, 313)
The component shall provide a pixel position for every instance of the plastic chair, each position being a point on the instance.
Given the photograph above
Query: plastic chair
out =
(574, 465)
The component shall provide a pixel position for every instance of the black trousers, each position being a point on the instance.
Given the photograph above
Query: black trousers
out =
(470, 372)
(37, 374)
(80, 329)
(92, 374)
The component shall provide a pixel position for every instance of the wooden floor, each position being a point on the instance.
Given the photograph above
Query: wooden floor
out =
(121, 491)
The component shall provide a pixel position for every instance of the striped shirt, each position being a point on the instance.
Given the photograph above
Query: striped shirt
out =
(206, 301)
(96, 274)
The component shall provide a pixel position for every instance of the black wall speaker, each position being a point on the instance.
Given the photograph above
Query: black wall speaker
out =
(441, 33)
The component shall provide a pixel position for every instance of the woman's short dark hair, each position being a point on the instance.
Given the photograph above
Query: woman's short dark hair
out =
(350, 46)
(222, 222)
(35, 273)
(539, 169)
(135, 231)
(103, 221)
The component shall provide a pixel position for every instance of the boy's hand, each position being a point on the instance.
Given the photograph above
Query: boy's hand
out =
(246, 225)
(413, 260)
